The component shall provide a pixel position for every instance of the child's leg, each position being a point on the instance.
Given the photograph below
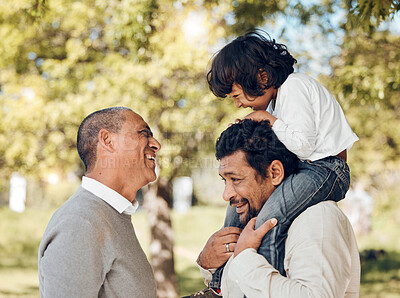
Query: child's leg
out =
(326, 179)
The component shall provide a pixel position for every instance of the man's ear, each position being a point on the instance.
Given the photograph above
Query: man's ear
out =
(106, 140)
(276, 172)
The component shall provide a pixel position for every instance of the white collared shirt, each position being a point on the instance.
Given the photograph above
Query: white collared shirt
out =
(110, 196)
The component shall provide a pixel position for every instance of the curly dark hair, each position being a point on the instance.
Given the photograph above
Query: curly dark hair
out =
(260, 145)
(246, 58)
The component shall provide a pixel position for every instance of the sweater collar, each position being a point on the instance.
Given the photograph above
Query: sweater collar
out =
(110, 196)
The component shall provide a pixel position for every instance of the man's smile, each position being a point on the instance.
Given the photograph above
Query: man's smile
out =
(151, 157)
(241, 206)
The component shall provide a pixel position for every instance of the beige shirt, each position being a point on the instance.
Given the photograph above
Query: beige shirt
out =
(321, 260)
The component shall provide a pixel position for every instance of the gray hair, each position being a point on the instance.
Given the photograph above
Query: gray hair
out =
(110, 119)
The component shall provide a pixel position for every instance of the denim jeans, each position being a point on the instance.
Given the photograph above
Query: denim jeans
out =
(317, 181)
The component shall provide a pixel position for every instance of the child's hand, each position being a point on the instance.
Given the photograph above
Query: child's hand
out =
(237, 121)
(261, 115)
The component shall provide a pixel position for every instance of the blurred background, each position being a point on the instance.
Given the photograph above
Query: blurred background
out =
(63, 59)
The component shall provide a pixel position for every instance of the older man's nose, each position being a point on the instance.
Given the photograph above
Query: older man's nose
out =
(153, 143)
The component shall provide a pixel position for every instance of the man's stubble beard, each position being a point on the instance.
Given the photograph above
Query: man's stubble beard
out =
(252, 211)
(249, 215)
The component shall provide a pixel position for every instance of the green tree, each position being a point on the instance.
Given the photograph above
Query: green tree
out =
(368, 14)
(366, 80)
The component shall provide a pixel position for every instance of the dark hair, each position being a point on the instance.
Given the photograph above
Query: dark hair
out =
(111, 119)
(260, 145)
(244, 59)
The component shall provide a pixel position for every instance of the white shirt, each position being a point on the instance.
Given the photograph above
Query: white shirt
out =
(310, 123)
(110, 196)
(321, 260)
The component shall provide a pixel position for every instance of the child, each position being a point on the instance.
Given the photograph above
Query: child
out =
(257, 72)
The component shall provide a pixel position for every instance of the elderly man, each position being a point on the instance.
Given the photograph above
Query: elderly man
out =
(89, 248)
(321, 254)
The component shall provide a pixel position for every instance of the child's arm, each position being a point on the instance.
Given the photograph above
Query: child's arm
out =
(296, 123)
(261, 115)
(295, 131)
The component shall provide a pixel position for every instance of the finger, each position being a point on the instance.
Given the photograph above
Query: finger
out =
(228, 254)
(231, 238)
(237, 121)
(229, 231)
(266, 227)
(251, 224)
(232, 246)
(248, 116)
(227, 239)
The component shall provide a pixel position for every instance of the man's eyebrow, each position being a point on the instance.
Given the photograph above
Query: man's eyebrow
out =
(228, 174)
(147, 128)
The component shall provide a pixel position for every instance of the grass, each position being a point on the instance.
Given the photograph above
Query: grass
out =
(191, 232)
(19, 241)
(381, 276)
(21, 233)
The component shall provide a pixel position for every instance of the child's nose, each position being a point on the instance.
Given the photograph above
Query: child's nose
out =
(238, 104)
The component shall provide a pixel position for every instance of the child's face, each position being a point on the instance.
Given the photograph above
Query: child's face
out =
(257, 103)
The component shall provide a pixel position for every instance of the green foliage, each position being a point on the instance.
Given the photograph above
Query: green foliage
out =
(381, 275)
(361, 14)
(20, 237)
(366, 80)
(368, 14)
(83, 56)
(77, 57)
(250, 14)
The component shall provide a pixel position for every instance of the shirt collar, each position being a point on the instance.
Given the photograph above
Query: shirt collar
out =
(110, 196)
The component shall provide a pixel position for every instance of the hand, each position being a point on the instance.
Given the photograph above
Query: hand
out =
(261, 115)
(214, 253)
(237, 121)
(251, 238)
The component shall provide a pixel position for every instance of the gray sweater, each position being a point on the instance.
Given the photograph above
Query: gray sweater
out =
(91, 250)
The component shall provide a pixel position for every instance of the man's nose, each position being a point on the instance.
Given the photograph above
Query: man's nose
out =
(229, 192)
(154, 144)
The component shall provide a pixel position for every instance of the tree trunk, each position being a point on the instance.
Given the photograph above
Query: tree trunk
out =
(156, 198)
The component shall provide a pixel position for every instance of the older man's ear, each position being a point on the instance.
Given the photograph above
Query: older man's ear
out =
(106, 140)
(276, 172)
